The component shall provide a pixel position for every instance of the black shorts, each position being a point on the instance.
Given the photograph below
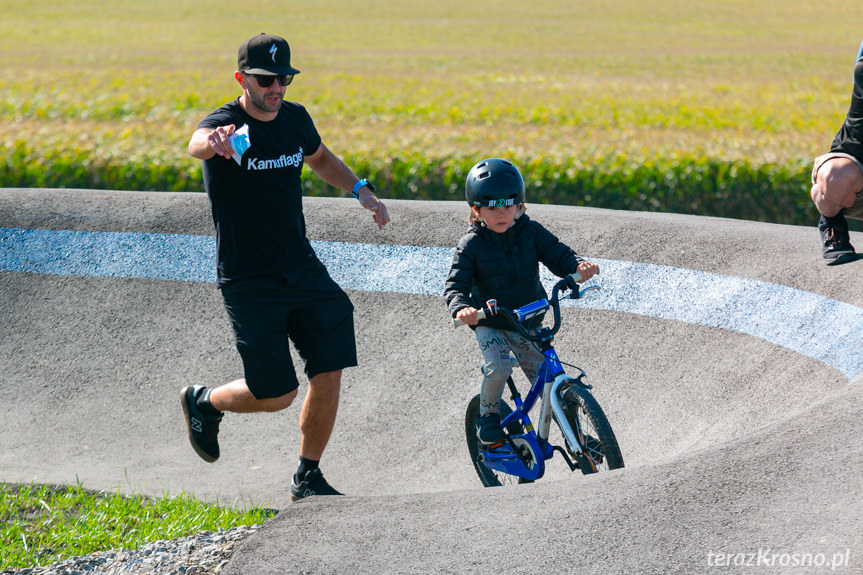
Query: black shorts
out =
(306, 307)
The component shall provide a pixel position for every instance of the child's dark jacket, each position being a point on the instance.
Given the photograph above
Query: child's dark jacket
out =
(487, 265)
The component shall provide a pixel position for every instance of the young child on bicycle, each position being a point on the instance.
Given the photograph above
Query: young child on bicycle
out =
(498, 258)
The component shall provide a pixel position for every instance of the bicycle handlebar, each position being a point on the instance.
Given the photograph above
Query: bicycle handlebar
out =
(516, 318)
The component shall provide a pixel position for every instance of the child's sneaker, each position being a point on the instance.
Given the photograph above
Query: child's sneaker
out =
(488, 429)
(203, 429)
(313, 484)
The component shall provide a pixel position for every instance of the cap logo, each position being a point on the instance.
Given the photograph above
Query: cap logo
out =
(273, 50)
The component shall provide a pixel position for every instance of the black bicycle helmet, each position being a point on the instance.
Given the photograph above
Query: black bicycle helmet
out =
(494, 183)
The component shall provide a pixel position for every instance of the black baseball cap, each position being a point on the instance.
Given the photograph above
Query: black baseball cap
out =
(265, 54)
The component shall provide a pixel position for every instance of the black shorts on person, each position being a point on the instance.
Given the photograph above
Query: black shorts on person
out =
(305, 306)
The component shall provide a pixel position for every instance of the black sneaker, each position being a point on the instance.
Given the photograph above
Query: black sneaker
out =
(313, 484)
(488, 429)
(203, 429)
(835, 240)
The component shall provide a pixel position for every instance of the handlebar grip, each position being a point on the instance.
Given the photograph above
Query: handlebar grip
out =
(480, 314)
(576, 276)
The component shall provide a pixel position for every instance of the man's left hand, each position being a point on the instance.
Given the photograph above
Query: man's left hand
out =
(369, 201)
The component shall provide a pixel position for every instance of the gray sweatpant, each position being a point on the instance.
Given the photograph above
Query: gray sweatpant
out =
(495, 345)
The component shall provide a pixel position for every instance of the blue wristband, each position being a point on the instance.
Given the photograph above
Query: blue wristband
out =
(363, 182)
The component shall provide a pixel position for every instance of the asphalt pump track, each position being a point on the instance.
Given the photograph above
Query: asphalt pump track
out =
(725, 354)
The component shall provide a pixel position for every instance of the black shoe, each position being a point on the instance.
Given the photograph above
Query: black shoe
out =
(203, 429)
(313, 484)
(835, 240)
(488, 429)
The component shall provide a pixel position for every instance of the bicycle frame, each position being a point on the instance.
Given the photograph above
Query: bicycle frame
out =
(549, 380)
(547, 386)
(547, 389)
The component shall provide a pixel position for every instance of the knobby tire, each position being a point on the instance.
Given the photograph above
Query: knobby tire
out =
(583, 412)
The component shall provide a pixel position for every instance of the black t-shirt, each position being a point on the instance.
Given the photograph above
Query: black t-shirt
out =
(258, 205)
(849, 138)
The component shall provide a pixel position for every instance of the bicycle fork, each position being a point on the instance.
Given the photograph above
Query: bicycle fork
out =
(551, 400)
(552, 403)
(557, 406)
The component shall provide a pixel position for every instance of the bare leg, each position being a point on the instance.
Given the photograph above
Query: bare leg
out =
(836, 185)
(236, 397)
(318, 415)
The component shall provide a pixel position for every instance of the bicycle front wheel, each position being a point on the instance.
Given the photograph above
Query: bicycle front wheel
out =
(489, 477)
(600, 451)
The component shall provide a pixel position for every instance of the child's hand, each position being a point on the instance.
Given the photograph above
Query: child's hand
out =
(587, 270)
(467, 315)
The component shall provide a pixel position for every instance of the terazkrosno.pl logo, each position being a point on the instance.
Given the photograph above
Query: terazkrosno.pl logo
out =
(772, 558)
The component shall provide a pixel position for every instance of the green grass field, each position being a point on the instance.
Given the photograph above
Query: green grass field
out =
(120, 86)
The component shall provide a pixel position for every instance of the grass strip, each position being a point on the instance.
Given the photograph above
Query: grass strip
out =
(42, 524)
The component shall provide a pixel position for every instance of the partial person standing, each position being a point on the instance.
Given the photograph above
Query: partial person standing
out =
(275, 289)
(837, 179)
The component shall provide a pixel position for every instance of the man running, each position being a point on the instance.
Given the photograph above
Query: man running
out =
(274, 287)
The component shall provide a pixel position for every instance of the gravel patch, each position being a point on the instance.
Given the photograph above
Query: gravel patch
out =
(205, 553)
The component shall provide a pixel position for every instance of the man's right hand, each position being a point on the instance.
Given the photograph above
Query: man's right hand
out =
(219, 140)
(207, 143)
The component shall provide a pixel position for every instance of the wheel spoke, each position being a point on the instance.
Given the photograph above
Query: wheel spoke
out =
(601, 451)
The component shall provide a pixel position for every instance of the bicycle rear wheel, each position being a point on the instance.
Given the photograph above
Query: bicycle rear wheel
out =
(489, 477)
(600, 450)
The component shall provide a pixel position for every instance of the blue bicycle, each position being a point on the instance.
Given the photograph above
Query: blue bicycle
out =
(590, 444)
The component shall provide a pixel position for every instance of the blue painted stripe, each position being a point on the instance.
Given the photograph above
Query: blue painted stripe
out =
(792, 318)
